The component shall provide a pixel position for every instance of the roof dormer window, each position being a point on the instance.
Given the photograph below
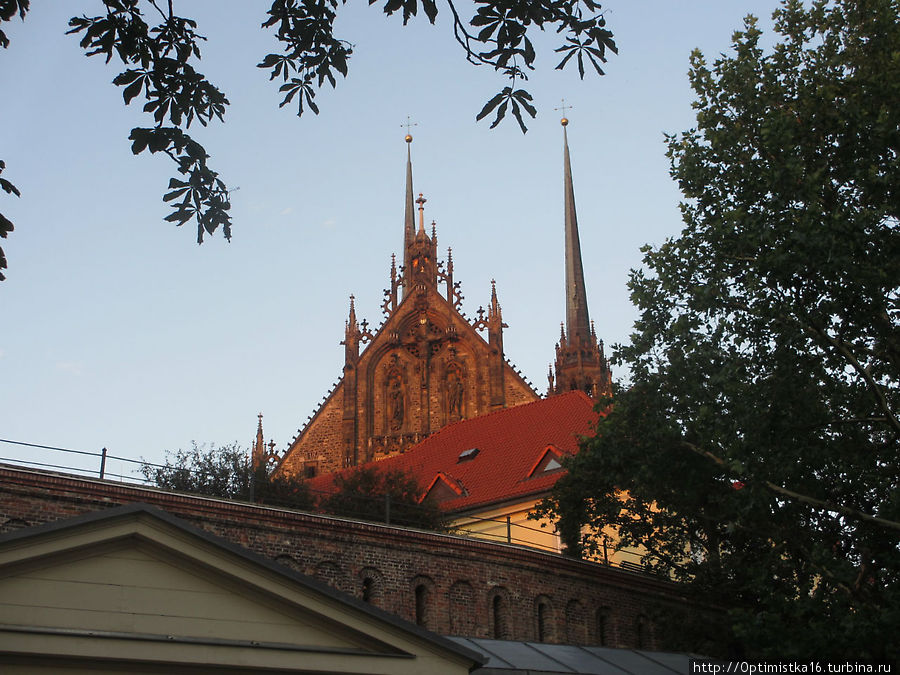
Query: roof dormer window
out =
(549, 461)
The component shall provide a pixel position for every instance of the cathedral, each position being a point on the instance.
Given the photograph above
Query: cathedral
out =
(429, 365)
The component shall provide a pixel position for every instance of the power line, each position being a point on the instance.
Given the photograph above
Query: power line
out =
(141, 462)
(49, 466)
(50, 447)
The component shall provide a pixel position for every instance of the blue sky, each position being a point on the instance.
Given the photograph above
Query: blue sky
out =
(118, 331)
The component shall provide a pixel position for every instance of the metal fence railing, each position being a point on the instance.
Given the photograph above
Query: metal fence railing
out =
(509, 532)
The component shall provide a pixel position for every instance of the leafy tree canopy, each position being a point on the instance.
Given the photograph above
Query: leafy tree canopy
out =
(755, 454)
(393, 496)
(364, 493)
(225, 471)
(160, 51)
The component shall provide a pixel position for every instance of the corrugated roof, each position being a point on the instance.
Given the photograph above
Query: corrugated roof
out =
(537, 658)
(510, 442)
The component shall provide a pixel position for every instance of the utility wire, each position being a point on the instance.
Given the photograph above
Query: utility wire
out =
(50, 447)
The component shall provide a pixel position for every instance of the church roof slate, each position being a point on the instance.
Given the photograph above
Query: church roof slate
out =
(509, 442)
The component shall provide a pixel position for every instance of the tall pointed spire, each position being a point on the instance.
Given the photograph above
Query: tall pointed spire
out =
(580, 363)
(409, 219)
(577, 321)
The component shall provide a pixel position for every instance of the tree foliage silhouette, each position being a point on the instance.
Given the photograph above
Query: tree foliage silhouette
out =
(756, 454)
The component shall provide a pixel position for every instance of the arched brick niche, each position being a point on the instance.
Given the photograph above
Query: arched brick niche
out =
(500, 607)
(424, 601)
(370, 586)
(605, 627)
(545, 620)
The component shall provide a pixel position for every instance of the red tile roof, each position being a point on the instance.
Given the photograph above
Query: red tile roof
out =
(510, 443)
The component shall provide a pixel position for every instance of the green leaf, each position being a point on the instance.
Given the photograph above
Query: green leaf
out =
(132, 90)
(493, 103)
(180, 217)
(9, 188)
(140, 138)
(174, 194)
(501, 113)
(431, 10)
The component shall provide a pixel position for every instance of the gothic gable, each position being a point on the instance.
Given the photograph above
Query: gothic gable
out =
(425, 367)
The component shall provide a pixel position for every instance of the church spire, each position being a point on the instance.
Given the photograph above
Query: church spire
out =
(409, 219)
(577, 321)
(580, 363)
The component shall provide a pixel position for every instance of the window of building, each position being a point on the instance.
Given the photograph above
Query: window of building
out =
(543, 612)
(500, 616)
(603, 626)
(422, 605)
(640, 629)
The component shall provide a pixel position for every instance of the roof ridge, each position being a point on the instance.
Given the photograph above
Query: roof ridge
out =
(521, 406)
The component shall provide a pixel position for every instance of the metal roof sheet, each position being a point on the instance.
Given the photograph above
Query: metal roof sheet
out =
(537, 658)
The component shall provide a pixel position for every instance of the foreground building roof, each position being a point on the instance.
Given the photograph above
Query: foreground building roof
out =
(137, 589)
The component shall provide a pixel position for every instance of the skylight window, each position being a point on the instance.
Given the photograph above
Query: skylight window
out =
(466, 455)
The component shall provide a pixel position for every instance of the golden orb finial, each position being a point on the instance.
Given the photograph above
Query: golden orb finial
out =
(565, 120)
(408, 125)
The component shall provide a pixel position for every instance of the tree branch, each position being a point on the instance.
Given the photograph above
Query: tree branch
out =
(863, 371)
(806, 499)
(459, 28)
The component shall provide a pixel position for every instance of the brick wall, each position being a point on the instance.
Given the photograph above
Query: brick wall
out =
(322, 440)
(452, 585)
(517, 390)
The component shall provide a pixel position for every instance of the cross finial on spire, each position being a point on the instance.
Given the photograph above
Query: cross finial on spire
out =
(564, 121)
(409, 124)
